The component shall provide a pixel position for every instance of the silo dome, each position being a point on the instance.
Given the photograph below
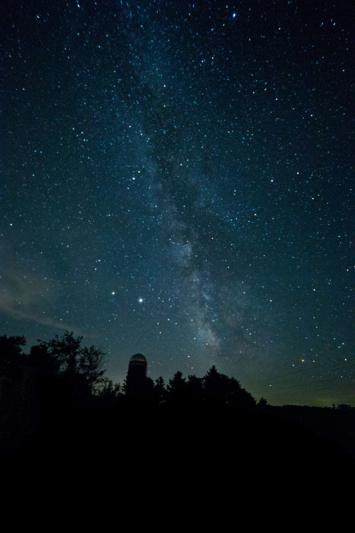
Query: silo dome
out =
(138, 358)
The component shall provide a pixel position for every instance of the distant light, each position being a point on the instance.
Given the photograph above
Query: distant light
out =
(140, 300)
(113, 293)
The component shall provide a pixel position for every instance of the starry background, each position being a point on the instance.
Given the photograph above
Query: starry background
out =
(176, 180)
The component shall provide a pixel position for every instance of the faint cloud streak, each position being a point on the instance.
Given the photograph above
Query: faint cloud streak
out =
(27, 296)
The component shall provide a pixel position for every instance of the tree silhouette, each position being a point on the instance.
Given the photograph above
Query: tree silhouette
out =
(221, 389)
(11, 353)
(71, 359)
(90, 364)
(106, 389)
(215, 386)
(194, 389)
(262, 403)
(159, 390)
(41, 359)
(177, 388)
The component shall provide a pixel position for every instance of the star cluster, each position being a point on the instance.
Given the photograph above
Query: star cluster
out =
(177, 181)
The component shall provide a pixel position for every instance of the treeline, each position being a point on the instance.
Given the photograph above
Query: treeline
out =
(57, 392)
(64, 367)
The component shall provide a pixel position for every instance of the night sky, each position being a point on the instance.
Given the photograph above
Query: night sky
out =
(176, 180)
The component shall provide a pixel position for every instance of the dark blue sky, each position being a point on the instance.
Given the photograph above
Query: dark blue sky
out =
(176, 179)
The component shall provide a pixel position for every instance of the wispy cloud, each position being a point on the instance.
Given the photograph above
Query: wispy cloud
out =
(25, 295)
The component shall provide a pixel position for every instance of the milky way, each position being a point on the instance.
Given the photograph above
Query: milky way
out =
(176, 180)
